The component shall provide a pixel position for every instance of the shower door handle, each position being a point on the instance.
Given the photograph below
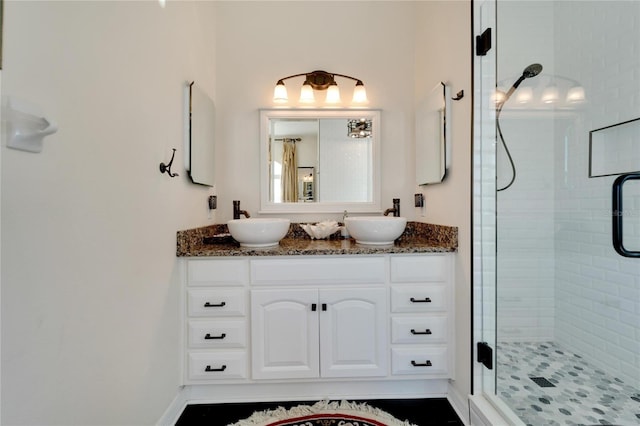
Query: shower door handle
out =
(617, 214)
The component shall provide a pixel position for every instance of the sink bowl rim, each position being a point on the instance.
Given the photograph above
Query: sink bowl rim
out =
(386, 229)
(259, 232)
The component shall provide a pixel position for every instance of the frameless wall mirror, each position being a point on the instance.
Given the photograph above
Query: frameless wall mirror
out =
(319, 161)
(200, 135)
(433, 145)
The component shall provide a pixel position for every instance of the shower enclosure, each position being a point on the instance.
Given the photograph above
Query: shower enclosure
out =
(557, 210)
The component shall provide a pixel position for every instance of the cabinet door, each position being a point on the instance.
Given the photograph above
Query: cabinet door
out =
(353, 332)
(284, 339)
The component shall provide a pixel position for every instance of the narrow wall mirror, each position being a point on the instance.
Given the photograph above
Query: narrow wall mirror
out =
(199, 135)
(319, 161)
(433, 145)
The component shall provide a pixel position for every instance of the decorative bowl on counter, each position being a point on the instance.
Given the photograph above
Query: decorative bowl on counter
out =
(258, 232)
(375, 230)
(321, 230)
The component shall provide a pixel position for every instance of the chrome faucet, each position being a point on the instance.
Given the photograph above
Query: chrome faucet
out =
(396, 208)
(237, 212)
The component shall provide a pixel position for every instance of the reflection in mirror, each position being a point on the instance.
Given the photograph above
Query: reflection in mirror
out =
(433, 145)
(199, 157)
(305, 184)
(319, 160)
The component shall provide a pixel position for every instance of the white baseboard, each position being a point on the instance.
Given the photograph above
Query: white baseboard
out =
(459, 403)
(175, 409)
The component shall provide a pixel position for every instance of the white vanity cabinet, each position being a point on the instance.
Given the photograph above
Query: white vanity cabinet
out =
(216, 326)
(421, 316)
(310, 333)
(313, 319)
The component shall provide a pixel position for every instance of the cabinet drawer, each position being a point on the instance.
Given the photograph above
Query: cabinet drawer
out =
(216, 302)
(217, 365)
(344, 270)
(412, 269)
(425, 329)
(217, 334)
(420, 360)
(217, 272)
(422, 298)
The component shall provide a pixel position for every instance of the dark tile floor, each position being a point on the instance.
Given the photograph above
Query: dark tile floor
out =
(422, 412)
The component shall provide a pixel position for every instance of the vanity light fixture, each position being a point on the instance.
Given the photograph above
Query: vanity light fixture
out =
(320, 80)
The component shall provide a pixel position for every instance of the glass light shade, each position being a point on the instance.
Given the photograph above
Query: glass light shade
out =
(280, 93)
(306, 94)
(525, 95)
(498, 97)
(359, 94)
(550, 95)
(333, 94)
(576, 94)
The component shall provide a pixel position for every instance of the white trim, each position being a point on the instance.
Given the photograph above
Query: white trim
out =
(486, 410)
(459, 403)
(175, 409)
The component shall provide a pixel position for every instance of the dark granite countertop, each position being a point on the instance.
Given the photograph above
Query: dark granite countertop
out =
(214, 240)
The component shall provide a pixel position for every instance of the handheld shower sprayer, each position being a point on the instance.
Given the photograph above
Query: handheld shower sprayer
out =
(529, 72)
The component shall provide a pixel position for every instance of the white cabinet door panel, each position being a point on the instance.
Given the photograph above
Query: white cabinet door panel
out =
(284, 330)
(353, 332)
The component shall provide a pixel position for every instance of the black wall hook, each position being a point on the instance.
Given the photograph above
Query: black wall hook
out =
(458, 96)
(167, 167)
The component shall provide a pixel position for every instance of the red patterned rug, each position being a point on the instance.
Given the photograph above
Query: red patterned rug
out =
(324, 413)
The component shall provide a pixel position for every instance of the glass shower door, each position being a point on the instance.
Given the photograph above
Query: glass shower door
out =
(567, 304)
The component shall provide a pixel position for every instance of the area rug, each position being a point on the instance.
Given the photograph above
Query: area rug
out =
(324, 413)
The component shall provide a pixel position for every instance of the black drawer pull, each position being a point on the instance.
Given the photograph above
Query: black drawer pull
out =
(425, 300)
(210, 337)
(314, 307)
(215, 305)
(224, 367)
(324, 306)
(427, 331)
(426, 364)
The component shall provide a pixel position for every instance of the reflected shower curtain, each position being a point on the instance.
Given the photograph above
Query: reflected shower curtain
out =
(289, 173)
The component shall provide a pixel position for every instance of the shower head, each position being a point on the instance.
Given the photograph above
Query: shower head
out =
(530, 71)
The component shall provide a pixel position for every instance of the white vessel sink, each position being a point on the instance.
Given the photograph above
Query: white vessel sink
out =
(375, 230)
(258, 232)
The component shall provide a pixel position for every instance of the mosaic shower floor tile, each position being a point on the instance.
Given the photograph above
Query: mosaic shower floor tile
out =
(566, 389)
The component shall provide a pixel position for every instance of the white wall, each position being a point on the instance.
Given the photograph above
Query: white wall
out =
(90, 313)
(261, 42)
(442, 53)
